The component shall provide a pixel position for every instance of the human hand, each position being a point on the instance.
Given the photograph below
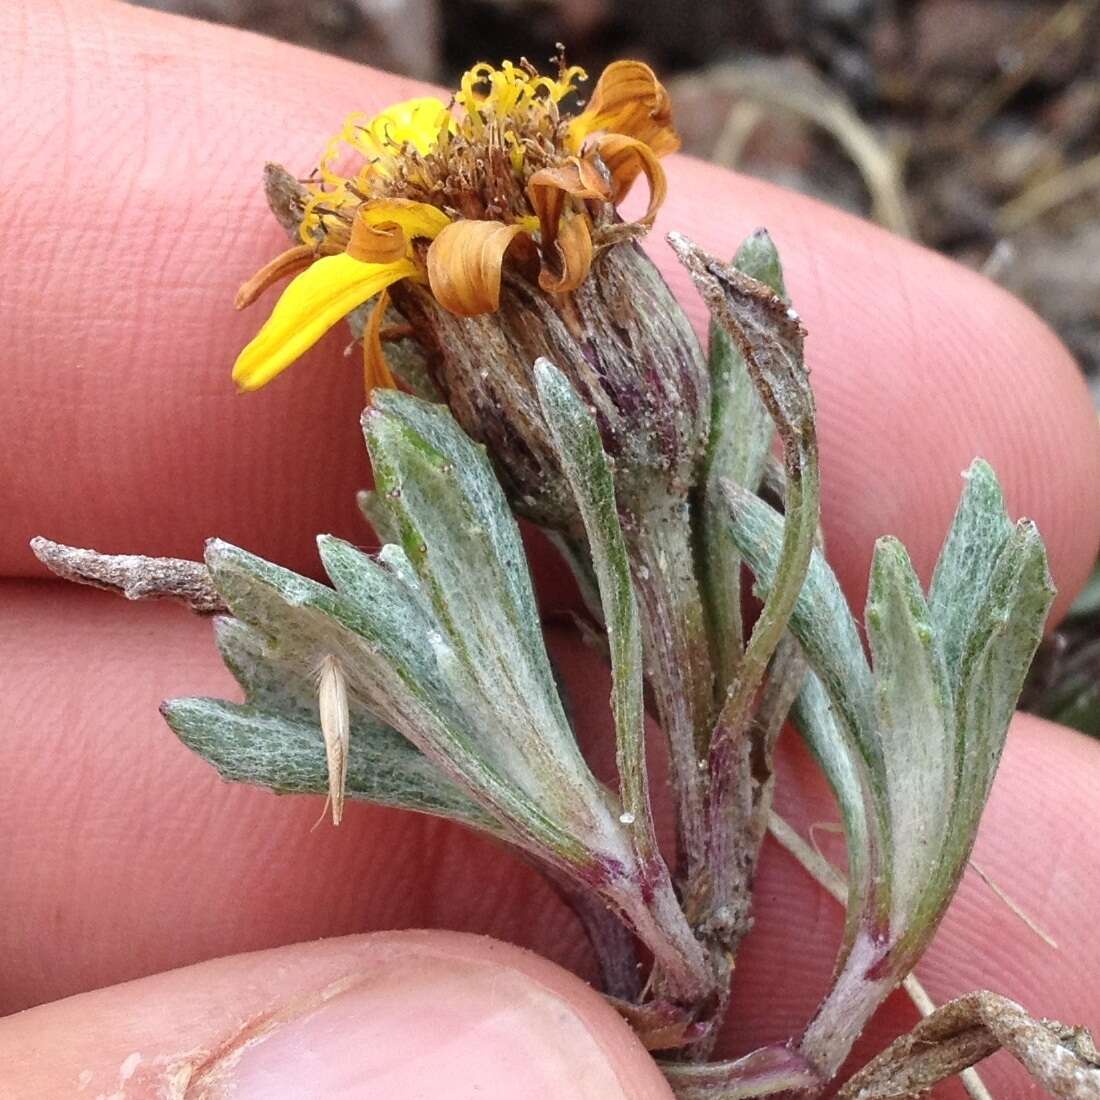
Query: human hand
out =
(131, 176)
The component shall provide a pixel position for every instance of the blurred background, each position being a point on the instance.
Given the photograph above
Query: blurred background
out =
(972, 126)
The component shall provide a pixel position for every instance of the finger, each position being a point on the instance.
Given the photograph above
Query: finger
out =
(129, 856)
(412, 1013)
(119, 279)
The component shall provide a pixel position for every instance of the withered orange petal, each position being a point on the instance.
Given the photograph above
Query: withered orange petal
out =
(548, 188)
(376, 242)
(625, 157)
(629, 99)
(574, 251)
(376, 371)
(285, 264)
(465, 263)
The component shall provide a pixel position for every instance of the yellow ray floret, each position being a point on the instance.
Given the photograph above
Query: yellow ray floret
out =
(384, 229)
(416, 122)
(322, 295)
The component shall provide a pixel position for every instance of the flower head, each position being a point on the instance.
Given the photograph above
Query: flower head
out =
(448, 196)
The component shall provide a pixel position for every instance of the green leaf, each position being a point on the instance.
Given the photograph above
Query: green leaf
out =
(978, 533)
(282, 687)
(461, 539)
(250, 744)
(915, 725)
(1004, 635)
(390, 652)
(439, 483)
(820, 619)
(816, 723)
(741, 433)
(580, 450)
(376, 512)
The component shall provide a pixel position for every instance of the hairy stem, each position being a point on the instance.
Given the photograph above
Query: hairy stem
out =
(764, 1072)
(677, 661)
(769, 336)
(734, 818)
(682, 970)
(827, 876)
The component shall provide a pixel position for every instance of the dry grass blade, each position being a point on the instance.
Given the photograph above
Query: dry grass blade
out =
(1048, 194)
(1067, 21)
(792, 87)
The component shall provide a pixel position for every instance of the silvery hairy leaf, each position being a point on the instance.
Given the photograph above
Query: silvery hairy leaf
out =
(461, 541)
(741, 434)
(911, 744)
(586, 466)
(924, 730)
(274, 739)
(396, 664)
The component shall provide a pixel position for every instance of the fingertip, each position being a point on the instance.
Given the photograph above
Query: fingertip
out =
(459, 1016)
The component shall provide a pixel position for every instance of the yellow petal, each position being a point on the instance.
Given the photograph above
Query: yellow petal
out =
(417, 122)
(628, 99)
(625, 157)
(376, 371)
(417, 219)
(373, 238)
(574, 251)
(286, 263)
(548, 188)
(465, 261)
(324, 293)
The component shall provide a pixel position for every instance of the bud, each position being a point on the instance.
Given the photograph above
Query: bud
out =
(624, 344)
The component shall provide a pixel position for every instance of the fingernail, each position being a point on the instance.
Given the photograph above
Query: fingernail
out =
(418, 1027)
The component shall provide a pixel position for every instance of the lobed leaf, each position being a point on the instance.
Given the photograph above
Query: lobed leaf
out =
(379, 639)
(915, 725)
(1003, 638)
(250, 744)
(978, 533)
(460, 538)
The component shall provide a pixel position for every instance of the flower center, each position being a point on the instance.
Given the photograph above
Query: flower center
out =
(473, 162)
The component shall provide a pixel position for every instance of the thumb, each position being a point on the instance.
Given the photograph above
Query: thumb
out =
(396, 1015)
